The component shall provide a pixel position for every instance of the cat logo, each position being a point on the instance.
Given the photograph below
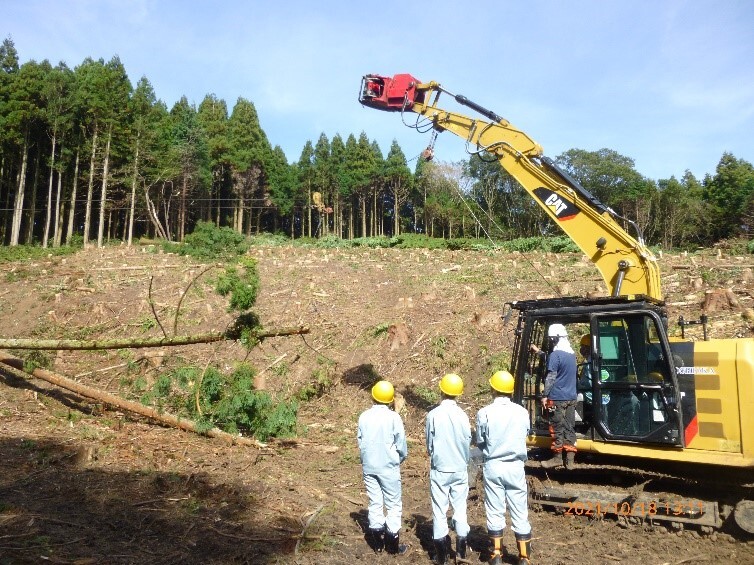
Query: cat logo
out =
(562, 209)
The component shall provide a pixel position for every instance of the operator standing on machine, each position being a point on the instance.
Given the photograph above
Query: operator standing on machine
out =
(560, 397)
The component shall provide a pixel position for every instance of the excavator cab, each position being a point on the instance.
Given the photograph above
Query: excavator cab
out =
(628, 386)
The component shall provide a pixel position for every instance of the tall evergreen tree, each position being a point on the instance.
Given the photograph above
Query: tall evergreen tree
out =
(323, 183)
(249, 151)
(398, 178)
(22, 111)
(58, 106)
(305, 178)
(281, 187)
(8, 71)
(213, 119)
(730, 192)
(361, 176)
(679, 212)
(190, 151)
(337, 165)
(144, 142)
(114, 118)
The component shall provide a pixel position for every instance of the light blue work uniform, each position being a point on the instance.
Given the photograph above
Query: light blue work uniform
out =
(382, 444)
(448, 435)
(501, 430)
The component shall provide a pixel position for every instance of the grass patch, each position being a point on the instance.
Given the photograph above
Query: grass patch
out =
(31, 252)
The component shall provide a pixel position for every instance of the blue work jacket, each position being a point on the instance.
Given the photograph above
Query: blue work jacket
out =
(501, 430)
(382, 440)
(448, 437)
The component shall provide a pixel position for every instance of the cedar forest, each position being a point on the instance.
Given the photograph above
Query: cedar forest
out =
(86, 156)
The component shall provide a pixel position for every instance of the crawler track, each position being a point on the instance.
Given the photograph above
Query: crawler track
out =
(703, 498)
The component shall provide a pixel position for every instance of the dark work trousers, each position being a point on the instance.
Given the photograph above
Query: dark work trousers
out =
(563, 420)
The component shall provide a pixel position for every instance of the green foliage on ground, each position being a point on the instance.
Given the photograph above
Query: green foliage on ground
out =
(418, 241)
(241, 282)
(560, 244)
(429, 396)
(469, 244)
(31, 252)
(36, 359)
(321, 381)
(226, 401)
(269, 239)
(209, 243)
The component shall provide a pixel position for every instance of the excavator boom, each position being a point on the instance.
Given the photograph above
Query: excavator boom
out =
(627, 266)
(681, 408)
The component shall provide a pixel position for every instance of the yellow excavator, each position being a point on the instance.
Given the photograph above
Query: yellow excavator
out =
(678, 413)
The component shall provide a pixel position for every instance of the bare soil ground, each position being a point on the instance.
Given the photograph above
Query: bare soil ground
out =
(82, 483)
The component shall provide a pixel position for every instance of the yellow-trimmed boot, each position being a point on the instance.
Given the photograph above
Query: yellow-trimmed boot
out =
(523, 541)
(496, 537)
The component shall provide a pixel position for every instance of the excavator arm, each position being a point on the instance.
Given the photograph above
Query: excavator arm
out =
(625, 263)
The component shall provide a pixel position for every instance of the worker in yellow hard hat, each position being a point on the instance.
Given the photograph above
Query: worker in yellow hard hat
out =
(448, 437)
(380, 463)
(501, 430)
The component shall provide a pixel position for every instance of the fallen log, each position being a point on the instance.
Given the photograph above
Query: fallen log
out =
(135, 343)
(11, 365)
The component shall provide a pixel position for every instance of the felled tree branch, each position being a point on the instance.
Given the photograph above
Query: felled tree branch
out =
(10, 365)
(81, 344)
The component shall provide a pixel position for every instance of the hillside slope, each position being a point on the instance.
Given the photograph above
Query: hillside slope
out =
(83, 483)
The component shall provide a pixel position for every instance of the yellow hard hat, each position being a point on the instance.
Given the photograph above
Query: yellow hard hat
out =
(451, 384)
(383, 392)
(656, 376)
(502, 381)
(586, 340)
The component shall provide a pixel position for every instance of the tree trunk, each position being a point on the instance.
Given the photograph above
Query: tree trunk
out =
(72, 211)
(182, 212)
(18, 208)
(48, 215)
(103, 192)
(90, 190)
(309, 207)
(363, 203)
(33, 202)
(61, 214)
(239, 214)
(139, 342)
(350, 220)
(396, 214)
(10, 365)
(4, 215)
(154, 218)
(133, 192)
(58, 225)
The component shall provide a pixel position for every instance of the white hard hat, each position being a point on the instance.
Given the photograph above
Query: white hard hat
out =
(557, 330)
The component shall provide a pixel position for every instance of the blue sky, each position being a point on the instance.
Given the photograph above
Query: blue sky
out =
(668, 83)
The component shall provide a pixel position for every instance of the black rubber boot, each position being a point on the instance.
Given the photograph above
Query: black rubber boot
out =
(497, 547)
(393, 544)
(555, 461)
(523, 541)
(376, 539)
(441, 550)
(570, 460)
(461, 546)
